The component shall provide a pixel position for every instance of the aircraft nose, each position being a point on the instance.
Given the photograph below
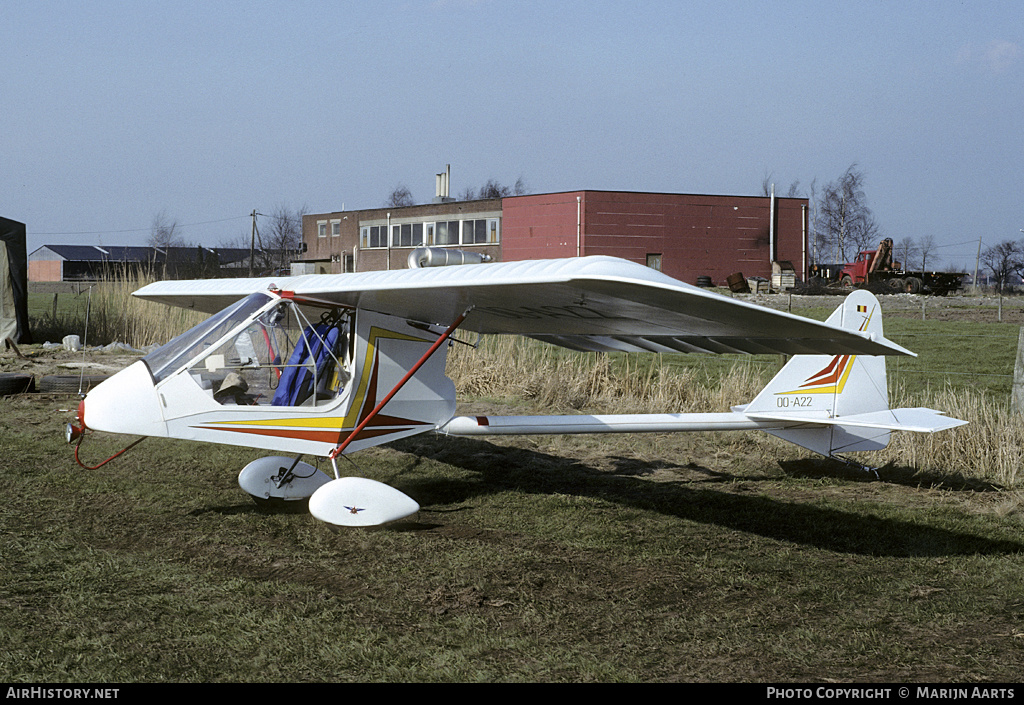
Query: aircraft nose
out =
(125, 403)
(72, 432)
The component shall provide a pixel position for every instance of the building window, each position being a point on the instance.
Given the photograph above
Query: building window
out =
(407, 235)
(482, 231)
(447, 233)
(374, 236)
(321, 228)
(335, 228)
(474, 232)
(654, 261)
(479, 231)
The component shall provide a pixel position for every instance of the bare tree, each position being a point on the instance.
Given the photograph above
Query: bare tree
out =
(845, 224)
(768, 185)
(812, 221)
(1003, 260)
(399, 197)
(279, 239)
(493, 189)
(906, 251)
(927, 249)
(164, 232)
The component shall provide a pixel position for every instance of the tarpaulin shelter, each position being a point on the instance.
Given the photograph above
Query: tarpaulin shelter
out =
(13, 282)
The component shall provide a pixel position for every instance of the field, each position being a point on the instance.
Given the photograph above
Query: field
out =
(685, 558)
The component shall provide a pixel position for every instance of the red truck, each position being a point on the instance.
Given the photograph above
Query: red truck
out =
(876, 269)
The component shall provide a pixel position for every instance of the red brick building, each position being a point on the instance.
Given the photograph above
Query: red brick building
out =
(684, 235)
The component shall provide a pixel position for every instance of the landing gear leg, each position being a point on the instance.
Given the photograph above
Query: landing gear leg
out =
(866, 469)
(279, 480)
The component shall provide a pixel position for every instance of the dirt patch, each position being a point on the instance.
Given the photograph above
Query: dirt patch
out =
(40, 361)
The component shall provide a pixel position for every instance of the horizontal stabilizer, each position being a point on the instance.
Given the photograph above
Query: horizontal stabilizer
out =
(920, 420)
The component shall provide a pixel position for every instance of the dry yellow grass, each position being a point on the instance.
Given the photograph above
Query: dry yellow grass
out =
(117, 315)
(511, 367)
(989, 448)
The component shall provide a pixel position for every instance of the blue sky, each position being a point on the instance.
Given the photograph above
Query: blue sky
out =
(114, 112)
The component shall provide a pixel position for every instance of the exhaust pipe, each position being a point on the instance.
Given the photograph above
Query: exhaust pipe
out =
(444, 257)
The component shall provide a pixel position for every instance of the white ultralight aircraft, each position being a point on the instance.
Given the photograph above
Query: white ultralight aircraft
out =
(329, 364)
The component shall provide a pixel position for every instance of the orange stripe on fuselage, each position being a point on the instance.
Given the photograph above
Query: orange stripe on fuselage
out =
(830, 380)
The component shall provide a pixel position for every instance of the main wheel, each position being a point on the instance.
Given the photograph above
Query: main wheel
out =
(277, 481)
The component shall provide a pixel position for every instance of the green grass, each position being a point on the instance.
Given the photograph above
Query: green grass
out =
(52, 316)
(960, 354)
(523, 565)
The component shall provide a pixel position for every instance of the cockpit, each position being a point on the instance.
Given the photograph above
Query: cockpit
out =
(263, 350)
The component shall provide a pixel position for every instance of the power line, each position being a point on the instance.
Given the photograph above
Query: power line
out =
(957, 244)
(138, 230)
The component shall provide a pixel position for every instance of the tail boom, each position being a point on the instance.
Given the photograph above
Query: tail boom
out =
(609, 423)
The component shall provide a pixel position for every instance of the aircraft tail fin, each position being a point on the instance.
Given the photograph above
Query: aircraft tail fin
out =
(840, 403)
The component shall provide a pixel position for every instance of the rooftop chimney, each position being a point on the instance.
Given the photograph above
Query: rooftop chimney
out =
(443, 181)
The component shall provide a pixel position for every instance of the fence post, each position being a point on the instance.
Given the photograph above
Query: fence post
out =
(1017, 398)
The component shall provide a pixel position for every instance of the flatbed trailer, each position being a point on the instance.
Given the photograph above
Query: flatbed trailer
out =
(875, 270)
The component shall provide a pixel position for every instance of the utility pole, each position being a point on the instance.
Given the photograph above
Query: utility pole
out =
(976, 260)
(252, 242)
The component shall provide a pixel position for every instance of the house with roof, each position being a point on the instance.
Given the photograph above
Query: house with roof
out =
(56, 263)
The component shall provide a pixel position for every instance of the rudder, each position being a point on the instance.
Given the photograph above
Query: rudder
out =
(829, 386)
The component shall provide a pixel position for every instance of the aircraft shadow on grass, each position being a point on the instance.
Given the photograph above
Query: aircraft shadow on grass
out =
(501, 468)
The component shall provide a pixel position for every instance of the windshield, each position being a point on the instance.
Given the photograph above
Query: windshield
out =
(278, 358)
(171, 356)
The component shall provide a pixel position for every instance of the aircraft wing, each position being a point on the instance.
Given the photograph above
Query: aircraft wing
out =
(589, 303)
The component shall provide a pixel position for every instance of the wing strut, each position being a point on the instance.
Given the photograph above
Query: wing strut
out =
(401, 383)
